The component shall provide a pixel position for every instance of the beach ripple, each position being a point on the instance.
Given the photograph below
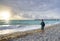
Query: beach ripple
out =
(51, 34)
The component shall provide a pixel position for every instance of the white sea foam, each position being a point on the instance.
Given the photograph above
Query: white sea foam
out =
(6, 31)
(15, 28)
(32, 27)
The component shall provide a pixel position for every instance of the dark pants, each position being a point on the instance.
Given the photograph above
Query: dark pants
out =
(42, 27)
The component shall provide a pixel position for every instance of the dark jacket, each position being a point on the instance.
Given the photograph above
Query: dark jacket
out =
(42, 24)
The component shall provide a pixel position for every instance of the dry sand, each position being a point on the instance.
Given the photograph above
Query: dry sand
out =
(51, 33)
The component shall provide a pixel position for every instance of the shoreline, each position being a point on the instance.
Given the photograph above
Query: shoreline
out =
(15, 35)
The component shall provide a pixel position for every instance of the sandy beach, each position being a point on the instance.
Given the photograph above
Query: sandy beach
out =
(51, 33)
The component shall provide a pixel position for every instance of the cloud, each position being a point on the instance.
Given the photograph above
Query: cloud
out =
(34, 8)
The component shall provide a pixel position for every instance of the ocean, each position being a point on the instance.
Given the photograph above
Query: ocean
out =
(23, 25)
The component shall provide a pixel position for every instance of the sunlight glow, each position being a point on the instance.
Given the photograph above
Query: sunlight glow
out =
(5, 15)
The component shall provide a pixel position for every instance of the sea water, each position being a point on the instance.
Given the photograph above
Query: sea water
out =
(23, 25)
(26, 22)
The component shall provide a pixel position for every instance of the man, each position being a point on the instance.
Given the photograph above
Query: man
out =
(42, 25)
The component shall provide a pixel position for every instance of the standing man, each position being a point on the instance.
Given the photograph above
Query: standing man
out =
(42, 25)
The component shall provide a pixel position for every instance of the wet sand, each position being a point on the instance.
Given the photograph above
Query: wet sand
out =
(51, 33)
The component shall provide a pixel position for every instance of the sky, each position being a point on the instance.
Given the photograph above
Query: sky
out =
(34, 9)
